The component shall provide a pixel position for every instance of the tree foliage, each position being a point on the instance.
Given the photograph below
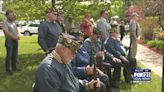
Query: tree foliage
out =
(77, 10)
(34, 9)
(154, 8)
(27, 9)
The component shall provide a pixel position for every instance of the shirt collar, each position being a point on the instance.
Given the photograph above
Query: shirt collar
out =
(114, 38)
(102, 18)
(50, 21)
(56, 56)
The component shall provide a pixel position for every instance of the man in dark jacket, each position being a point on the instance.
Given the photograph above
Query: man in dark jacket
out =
(83, 70)
(49, 31)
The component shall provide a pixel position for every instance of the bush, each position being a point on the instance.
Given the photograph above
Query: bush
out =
(159, 44)
(149, 27)
(145, 41)
(2, 17)
(161, 36)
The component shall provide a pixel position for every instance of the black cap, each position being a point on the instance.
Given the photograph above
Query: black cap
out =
(96, 31)
(113, 30)
(60, 13)
(49, 10)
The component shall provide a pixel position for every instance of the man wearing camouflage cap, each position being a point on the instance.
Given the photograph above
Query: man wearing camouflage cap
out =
(54, 74)
(95, 42)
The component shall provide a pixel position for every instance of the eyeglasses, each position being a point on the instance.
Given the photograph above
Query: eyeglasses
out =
(106, 13)
(55, 14)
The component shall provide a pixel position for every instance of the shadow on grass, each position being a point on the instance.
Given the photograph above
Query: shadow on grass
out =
(123, 87)
(20, 81)
(23, 80)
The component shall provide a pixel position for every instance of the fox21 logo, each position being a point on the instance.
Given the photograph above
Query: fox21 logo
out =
(141, 75)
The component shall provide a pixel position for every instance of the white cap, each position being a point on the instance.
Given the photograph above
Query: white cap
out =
(92, 19)
(135, 14)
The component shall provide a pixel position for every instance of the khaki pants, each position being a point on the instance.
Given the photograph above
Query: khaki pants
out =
(133, 47)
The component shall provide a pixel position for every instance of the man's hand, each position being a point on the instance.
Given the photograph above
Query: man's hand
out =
(16, 38)
(100, 54)
(116, 60)
(123, 58)
(89, 70)
(137, 39)
(100, 72)
(92, 82)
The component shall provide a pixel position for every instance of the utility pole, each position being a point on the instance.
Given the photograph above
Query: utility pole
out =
(163, 54)
(53, 3)
(163, 74)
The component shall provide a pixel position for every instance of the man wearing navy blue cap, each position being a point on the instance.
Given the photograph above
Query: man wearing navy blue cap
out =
(49, 31)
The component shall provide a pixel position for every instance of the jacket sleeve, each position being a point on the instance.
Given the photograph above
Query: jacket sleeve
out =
(50, 82)
(42, 33)
(100, 26)
(109, 46)
(132, 26)
(79, 72)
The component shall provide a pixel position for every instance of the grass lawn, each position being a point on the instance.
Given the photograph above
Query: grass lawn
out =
(30, 55)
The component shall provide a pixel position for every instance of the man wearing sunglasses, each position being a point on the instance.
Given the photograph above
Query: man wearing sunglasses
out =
(103, 24)
(49, 31)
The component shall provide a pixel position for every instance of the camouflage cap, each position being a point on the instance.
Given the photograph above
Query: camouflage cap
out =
(69, 42)
(79, 33)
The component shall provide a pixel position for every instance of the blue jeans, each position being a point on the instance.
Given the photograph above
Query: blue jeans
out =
(11, 54)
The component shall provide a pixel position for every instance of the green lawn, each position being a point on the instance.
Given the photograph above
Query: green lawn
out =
(30, 55)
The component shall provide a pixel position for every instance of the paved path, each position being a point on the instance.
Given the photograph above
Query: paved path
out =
(1, 32)
(148, 58)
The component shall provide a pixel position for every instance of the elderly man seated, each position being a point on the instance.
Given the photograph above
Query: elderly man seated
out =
(114, 47)
(54, 73)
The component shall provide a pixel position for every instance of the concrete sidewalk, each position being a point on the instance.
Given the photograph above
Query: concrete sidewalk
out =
(1, 32)
(147, 57)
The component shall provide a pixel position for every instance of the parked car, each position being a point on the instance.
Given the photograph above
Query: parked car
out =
(29, 29)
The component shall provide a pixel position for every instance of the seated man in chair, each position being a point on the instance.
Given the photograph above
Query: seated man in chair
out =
(114, 47)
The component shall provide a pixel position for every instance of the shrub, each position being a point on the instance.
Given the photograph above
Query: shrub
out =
(161, 36)
(159, 44)
(150, 28)
(2, 17)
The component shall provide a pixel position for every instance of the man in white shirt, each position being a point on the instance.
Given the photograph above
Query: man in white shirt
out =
(103, 25)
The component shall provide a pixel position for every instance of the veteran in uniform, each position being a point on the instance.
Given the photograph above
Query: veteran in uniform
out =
(113, 46)
(54, 74)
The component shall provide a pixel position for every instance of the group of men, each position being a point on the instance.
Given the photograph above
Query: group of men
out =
(70, 62)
